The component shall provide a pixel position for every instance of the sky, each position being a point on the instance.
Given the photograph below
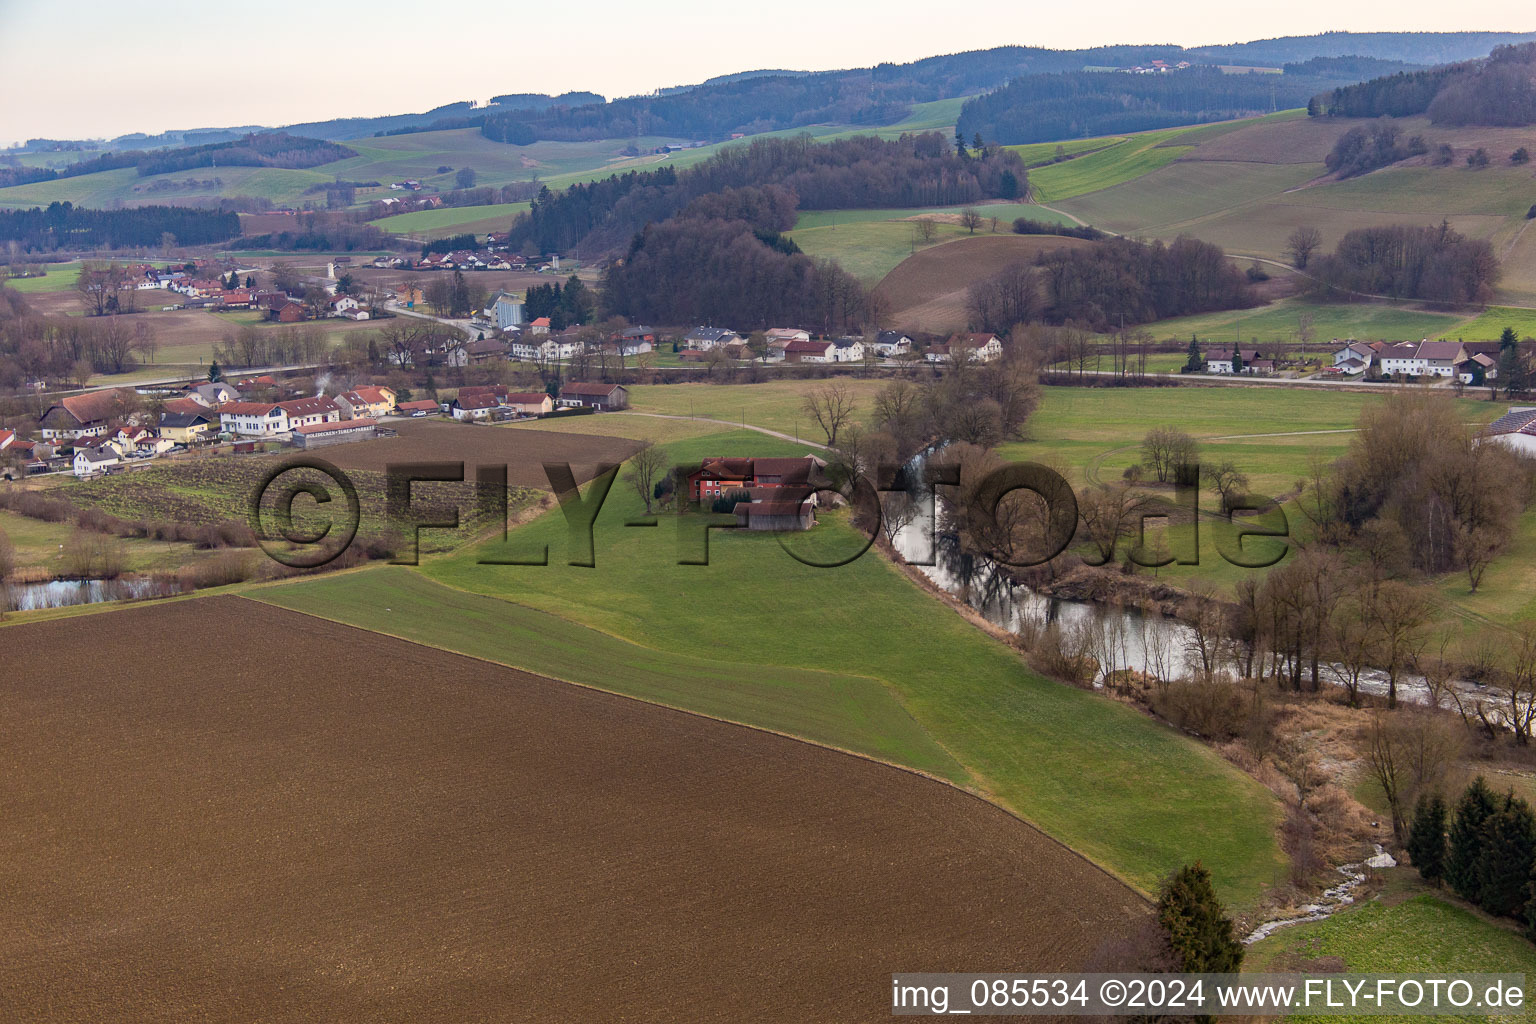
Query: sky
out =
(97, 68)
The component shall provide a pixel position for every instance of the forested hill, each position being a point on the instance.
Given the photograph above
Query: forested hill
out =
(268, 149)
(1500, 90)
(764, 183)
(1041, 108)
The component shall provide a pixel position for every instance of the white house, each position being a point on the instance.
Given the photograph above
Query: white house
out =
(1401, 359)
(705, 338)
(848, 350)
(1356, 351)
(889, 344)
(89, 461)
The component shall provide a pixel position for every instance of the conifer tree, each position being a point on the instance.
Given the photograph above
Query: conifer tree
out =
(1426, 841)
(1504, 863)
(1197, 925)
(1477, 803)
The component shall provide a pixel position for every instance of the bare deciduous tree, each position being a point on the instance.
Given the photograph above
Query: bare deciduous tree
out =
(832, 408)
(646, 467)
(1301, 245)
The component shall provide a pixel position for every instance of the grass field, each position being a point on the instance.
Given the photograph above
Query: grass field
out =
(1488, 325)
(452, 220)
(315, 822)
(1408, 931)
(59, 277)
(1156, 799)
(775, 405)
(1281, 320)
(1118, 162)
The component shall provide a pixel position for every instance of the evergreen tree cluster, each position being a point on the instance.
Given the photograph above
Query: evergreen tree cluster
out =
(568, 306)
(1488, 854)
(65, 226)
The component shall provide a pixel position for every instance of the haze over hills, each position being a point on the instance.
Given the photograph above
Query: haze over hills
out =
(744, 101)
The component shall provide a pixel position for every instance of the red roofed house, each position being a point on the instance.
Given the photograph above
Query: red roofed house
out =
(7, 438)
(366, 402)
(539, 326)
(716, 477)
(474, 407)
(421, 407)
(810, 352)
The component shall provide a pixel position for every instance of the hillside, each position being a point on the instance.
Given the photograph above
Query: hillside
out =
(927, 290)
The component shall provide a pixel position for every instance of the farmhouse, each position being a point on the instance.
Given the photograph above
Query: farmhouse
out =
(604, 397)
(1477, 368)
(633, 341)
(7, 438)
(321, 435)
(779, 337)
(1356, 352)
(85, 415)
(184, 427)
(810, 352)
(716, 477)
(848, 350)
(252, 419)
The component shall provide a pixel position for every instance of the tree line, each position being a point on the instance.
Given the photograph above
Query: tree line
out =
(701, 270)
(1079, 104)
(1115, 282)
(1436, 264)
(568, 306)
(1497, 90)
(260, 149)
(862, 172)
(1362, 150)
(65, 226)
(1485, 851)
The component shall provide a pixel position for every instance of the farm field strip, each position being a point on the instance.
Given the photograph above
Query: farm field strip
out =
(469, 841)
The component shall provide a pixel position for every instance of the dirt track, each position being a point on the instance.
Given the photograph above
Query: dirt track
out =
(522, 451)
(218, 810)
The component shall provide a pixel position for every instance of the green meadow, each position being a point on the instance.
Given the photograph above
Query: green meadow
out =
(1127, 792)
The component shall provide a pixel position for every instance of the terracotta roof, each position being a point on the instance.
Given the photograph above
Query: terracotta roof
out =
(421, 404)
(184, 406)
(367, 394)
(808, 346)
(526, 397)
(95, 405)
(473, 402)
(1439, 349)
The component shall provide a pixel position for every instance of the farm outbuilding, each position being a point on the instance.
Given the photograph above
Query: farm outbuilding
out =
(322, 435)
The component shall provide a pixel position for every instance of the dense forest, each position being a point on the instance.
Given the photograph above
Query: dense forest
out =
(1436, 264)
(270, 149)
(1041, 108)
(64, 226)
(696, 270)
(1497, 91)
(1116, 283)
(863, 172)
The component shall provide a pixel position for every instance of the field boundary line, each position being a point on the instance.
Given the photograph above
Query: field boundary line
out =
(972, 794)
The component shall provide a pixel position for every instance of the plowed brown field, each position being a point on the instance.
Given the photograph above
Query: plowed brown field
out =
(222, 811)
(523, 452)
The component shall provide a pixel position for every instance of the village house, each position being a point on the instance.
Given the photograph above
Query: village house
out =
(468, 408)
(1477, 368)
(720, 476)
(90, 461)
(486, 350)
(633, 341)
(529, 403)
(7, 438)
(366, 403)
(890, 344)
(603, 397)
(269, 419)
(810, 352)
(848, 350)
(1226, 360)
(547, 349)
(184, 427)
(779, 337)
(705, 338)
(1354, 356)
(539, 326)
(87, 415)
